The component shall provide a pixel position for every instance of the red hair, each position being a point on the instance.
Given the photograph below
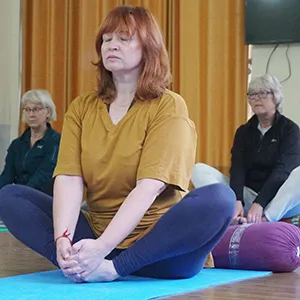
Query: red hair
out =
(155, 76)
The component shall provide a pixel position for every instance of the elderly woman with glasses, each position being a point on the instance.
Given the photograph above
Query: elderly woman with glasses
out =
(265, 156)
(32, 157)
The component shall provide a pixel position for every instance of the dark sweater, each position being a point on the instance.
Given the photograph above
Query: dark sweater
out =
(32, 166)
(263, 163)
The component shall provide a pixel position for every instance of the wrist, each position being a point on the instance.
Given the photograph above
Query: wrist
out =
(240, 202)
(258, 204)
(61, 241)
(65, 235)
(104, 247)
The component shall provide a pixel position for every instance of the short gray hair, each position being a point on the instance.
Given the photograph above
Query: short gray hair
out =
(268, 82)
(43, 98)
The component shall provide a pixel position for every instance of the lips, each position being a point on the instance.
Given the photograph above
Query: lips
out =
(112, 57)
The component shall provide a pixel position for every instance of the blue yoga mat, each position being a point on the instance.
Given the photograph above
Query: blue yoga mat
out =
(53, 285)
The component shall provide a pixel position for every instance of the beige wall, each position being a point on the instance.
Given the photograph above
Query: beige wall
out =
(9, 73)
(279, 67)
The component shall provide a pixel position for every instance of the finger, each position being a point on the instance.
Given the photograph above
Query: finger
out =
(250, 218)
(66, 264)
(234, 221)
(85, 274)
(76, 278)
(65, 252)
(240, 221)
(77, 246)
(77, 257)
(60, 260)
(72, 271)
(243, 220)
(74, 251)
(258, 218)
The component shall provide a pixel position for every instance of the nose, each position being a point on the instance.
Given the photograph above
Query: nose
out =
(113, 44)
(113, 47)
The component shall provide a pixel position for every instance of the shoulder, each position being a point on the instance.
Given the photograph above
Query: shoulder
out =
(249, 127)
(173, 104)
(23, 138)
(288, 122)
(169, 106)
(15, 144)
(85, 99)
(288, 126)
(242, 129)
(81, 104)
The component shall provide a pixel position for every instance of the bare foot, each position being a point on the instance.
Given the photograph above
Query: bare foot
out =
(104, 273)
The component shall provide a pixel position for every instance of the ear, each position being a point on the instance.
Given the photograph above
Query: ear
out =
(48, 113)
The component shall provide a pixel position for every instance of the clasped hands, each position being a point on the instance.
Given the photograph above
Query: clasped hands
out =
(84, 261)
(255, 214)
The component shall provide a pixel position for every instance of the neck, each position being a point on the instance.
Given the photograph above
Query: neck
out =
(266, 120)
(126, 87)
(38, 132)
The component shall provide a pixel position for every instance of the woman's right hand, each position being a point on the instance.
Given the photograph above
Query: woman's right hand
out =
(63, 251)
(239, 214)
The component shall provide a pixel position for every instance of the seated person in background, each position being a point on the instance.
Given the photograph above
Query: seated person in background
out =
(133, 145)
(32, 157)
(264, 170)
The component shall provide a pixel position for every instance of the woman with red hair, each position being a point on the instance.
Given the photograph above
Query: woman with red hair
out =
(132, 145)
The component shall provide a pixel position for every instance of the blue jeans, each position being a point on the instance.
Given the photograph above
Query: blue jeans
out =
(176, 247)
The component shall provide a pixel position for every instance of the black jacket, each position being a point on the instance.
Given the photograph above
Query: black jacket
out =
(263, 163)
(32, 166)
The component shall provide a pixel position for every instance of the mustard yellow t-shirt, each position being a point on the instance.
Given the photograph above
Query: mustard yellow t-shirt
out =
(155, 139)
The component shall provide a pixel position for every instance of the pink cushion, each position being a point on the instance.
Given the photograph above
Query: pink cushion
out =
(265, 246)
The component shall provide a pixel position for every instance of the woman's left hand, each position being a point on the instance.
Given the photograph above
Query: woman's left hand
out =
(255, 213)
(89, 255)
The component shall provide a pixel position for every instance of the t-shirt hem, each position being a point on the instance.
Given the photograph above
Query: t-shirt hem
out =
(171, 179)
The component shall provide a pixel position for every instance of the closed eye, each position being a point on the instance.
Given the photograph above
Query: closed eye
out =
(107, 40)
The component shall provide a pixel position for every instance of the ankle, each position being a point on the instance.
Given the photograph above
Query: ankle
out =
(111, 269)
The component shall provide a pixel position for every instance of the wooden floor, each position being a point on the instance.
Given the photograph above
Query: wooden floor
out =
(17, 259)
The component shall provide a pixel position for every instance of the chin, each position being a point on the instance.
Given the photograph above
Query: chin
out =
(259, 111)
(112, 68)
(33, 125)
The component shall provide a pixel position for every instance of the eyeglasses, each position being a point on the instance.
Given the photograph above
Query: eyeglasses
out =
(34, 110)
(259, 95)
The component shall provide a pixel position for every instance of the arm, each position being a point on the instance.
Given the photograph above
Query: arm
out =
(42, 177)
(288, 160)
(135, 205)
(68, 185)
(68, 191)
(238, 168)
(8, 174)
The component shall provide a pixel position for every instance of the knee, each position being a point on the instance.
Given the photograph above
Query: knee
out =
(203, 175)
(199, 169)
(217, 197)
(295, 173)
